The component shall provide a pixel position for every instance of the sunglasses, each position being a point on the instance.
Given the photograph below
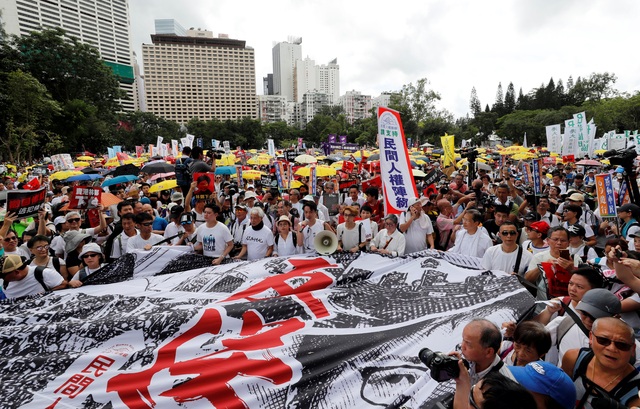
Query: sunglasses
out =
(509, 233)
(90, 255)
(147, 224)
(41, 248)
(73, 220)
(605, 342)
(183, 223)
(11, 238)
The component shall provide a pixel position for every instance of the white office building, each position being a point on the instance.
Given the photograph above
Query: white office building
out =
(329, 80)
(103, 24)
(355, 105)
(285, 55)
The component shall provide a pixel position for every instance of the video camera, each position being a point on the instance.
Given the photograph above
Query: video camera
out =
(443, 367)
(215, 153)
(471, 154)
(621, 157)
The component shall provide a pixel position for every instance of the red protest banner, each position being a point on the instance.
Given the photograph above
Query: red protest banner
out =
(85, 197)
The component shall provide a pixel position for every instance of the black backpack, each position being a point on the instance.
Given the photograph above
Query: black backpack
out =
(183, 173)
(39, 275)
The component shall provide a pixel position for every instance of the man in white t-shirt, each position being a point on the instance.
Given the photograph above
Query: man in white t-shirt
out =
(504, 256)
(471, 240)
(258, 240)
(119, 247)
(213, 237)
(416, 226)
(146, 238)
(21, 278)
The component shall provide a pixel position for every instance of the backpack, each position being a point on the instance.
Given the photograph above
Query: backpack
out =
(294, 236)
(183, 173)
(39, 276)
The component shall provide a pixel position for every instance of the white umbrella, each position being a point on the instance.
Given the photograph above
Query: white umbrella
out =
(305, 159)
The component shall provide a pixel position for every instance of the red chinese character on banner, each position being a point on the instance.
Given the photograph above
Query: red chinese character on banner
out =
(99, 365)
(209, 376)
(284, 285)
(74, 385)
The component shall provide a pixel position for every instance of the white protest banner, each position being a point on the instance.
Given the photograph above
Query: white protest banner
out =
(591, 127)
(227, 147)
(570, 141)
(190, 139)
(174, 148)
(398, 184)
(271, 147)
(617, 141)
(554, 138)
(184, 142)
(62, 162)
(580, 121)
(159, 140)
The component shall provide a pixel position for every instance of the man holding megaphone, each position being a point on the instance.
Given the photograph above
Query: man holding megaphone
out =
(389, 240)
(310, 227)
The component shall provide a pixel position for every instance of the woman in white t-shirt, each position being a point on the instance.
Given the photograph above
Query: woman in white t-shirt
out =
(92, 259)
(286, 241)
(351, 235)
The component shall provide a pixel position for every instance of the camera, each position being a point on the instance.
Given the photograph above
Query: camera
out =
(444, 190)
(471, 154)
(215, 153)
(443, 367)
(621, 157)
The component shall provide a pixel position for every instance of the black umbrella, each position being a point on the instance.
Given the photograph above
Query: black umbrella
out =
(128, 169)
(334, 158)
(158, 167)
(89, 170)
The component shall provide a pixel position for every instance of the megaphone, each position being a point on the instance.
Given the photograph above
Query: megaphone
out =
(325, 243)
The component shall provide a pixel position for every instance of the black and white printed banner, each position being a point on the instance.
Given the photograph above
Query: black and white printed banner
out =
(164, 329)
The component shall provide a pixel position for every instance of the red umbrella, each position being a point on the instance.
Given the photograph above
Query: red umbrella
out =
(588, 162)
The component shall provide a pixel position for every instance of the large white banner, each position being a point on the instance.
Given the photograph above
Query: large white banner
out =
(580, 121)
(554, 138)
(304, 332)
(570, 139)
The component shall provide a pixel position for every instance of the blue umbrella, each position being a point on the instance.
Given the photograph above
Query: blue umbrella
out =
(86, 176)
(226, 170)
(119, 179)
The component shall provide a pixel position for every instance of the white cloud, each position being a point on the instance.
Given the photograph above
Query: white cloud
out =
(381, 45)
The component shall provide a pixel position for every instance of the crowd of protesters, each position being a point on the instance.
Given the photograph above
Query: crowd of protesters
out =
(590, 334)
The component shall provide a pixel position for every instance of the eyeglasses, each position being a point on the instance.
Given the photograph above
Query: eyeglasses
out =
(73, 220)
(509, 233)
(566, 210)
(472, 401)
(183, 223)
(348, 215)
(147, 224)
(605, 342)
(41, 248)
(90, 255)
(11, 238)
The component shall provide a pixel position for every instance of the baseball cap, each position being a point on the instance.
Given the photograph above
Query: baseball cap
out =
(634, 235)
(531, 216)
(308, 198)
(629, 207)
(577, 197)
(59, 220)
(90, 248)
(176, 196)
(11, 262)
(540, 227)
(250, 186)
(243, 207)
(546, 379)
(599, 303)
(576, 230)
(284, 219)
(145, 200)
(249, 195)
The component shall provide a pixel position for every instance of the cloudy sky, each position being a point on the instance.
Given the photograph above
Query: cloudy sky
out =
(381, 45)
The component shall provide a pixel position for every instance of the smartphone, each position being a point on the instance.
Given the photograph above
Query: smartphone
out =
(565, 254)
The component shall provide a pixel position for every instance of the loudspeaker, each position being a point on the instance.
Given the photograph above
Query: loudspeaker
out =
(325, 242)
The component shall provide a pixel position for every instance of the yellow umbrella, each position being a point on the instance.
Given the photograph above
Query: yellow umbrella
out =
(252, 174)
(80, 164)
(321, 171)
(296, 184)
(599, 151)
(523, 156)
(259, 160)
(337, 165)
(226, 160)
(64, 174)
(85, 157)
(164, 185)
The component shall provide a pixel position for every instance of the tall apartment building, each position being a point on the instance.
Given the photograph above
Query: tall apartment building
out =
(356, 106)
(329, 80)
(103, 24)
(309, 107)
(382, 100)
(285, 55)
(305, 79)
(273, 108)
(199, 75)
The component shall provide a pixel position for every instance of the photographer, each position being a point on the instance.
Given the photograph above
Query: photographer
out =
(199, 165)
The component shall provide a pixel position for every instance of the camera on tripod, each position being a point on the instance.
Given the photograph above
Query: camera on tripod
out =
(443, 367)
(215, 153)
(471, 154)
(621, 157)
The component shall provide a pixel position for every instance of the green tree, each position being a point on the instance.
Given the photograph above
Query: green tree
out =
(510, 99)
(29, 110)
(498, 105)
(474, 103)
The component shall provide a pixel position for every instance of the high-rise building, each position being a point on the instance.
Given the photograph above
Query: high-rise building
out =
(199, 75)
(267, 85)
(329, 80)
(355, 105)
(311, 104)
(103, 24)
(305, 79)
(285, 55)
(169, 26)
(273, 108)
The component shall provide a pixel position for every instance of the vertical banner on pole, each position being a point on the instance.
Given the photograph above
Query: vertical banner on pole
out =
(398, 184)
(537, 177)
(554, 138)
(606, 196)
(239, 176)
(313, 180)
